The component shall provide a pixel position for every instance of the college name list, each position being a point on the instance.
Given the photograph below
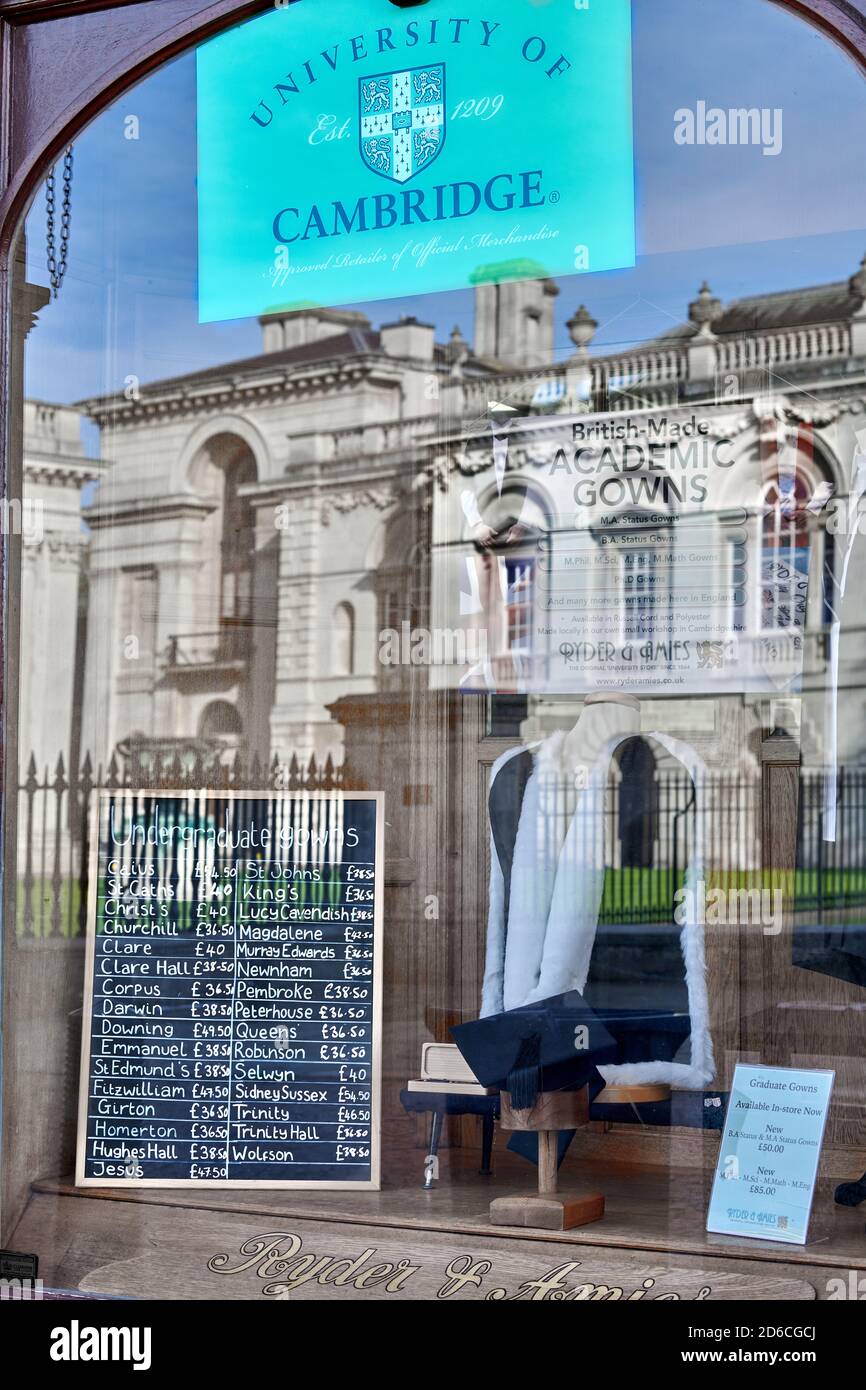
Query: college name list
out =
(232, 1023)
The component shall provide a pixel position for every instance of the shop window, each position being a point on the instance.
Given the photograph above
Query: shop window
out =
(523, 583)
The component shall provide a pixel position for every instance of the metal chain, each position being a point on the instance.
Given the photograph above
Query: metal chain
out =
(57, 268)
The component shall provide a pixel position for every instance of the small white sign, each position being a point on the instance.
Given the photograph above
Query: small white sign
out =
(769, 1154)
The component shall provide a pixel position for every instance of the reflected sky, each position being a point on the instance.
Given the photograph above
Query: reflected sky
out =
(747, 222)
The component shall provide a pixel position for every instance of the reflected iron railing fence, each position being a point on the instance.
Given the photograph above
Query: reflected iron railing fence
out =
(831, 875)
(648, 834)
(55, 812)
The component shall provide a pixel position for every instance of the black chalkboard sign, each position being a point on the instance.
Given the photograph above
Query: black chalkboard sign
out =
(232, 1011)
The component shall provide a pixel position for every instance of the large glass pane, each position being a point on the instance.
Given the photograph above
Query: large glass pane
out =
(545, 567)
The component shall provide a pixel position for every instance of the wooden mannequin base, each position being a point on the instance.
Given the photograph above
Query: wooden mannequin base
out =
(547, 1211)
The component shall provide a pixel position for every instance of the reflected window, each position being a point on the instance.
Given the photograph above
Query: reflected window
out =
(238, 542)
(520, 604)
(791, 537)
(220, 719)
(343, 640)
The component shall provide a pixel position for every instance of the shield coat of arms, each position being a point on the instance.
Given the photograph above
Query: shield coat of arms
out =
(402, 120)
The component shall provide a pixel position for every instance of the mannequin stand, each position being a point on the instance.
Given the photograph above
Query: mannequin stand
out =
(553, 1111)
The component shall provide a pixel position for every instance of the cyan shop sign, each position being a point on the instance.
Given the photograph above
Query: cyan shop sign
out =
(357, 152)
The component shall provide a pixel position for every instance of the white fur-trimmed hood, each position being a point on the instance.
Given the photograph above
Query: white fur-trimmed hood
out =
(557, 879)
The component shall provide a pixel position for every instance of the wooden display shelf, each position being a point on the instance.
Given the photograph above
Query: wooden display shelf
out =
(656, 1214)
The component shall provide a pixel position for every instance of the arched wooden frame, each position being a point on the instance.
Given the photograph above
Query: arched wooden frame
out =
(63, 61)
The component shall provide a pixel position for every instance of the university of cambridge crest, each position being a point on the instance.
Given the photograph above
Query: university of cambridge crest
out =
(402, 120)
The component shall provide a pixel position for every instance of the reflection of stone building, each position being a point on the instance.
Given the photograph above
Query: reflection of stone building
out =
(262, 522)
(281, 521)
(259, 525)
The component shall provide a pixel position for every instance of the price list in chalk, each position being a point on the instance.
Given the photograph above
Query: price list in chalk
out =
(233, 1000)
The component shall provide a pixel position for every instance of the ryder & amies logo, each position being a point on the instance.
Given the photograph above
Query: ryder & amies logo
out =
(402, 121)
